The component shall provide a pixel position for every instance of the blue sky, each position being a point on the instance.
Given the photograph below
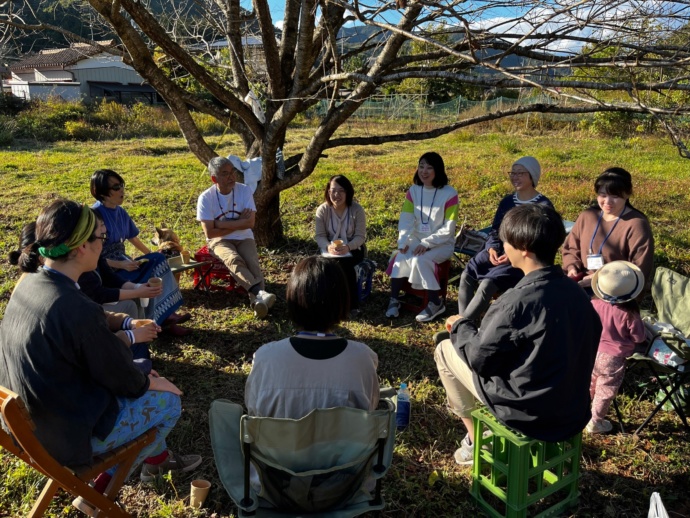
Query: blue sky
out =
(278, 10)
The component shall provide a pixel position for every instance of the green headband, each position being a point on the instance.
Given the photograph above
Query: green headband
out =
(80, 234)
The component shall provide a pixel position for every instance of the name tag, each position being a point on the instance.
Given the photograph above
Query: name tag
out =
(425, 228)
(595, 261)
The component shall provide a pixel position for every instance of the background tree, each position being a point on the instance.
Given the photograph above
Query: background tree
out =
(484, 44)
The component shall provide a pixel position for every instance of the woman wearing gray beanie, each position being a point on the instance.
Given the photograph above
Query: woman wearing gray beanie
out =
(489, 271)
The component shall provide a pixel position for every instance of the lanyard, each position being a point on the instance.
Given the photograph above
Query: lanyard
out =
(220, 206)
(596, 229)
(421, 208)
(347, 224)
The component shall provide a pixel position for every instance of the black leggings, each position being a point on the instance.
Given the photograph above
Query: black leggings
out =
(348, 265)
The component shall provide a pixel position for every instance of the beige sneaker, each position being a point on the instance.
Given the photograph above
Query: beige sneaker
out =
(464, 455)
(603, 426)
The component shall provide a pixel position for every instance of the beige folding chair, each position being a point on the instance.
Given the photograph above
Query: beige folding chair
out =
(21, 441)
(329, 463)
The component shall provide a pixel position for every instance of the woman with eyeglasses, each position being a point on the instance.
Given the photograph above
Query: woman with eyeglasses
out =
(76, 378)
(108, 188)
(489, 271)
(426, 235)
(341, 230)
(610, 230)
(122, 318)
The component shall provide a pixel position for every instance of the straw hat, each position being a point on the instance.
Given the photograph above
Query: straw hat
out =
(618, 282)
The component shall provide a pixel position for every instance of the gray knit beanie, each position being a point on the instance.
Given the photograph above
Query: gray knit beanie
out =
(532, 165)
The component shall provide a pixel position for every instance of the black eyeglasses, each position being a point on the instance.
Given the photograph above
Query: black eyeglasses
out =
(117, 187)
(103, 237)
(517, 174)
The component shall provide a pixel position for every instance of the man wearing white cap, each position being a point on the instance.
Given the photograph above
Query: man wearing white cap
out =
(227, 214)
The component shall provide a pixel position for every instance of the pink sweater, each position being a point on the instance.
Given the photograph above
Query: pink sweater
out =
(622, 329)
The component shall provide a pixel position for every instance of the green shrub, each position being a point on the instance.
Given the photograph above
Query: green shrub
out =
(58, 112)
(45, 120)
(613, 124)
(8, 127)
(207, 124)
(110, 113)
(11, 104)
(80, 130)
(33, 124)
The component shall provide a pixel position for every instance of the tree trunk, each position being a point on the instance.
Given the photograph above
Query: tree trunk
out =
(268, 228)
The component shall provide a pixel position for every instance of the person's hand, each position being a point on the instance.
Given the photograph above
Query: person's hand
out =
(586, 281)
(145, 333)
(493, 256)
(127, 264)
(404, 250)
(148, 292)
(154, 373)
(163, 385)
(246, 214)
(420, 250)
(572, 272)
(338, 250)
(451, 320)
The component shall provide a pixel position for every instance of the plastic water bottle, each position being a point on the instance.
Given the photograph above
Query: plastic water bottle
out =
(402, 411)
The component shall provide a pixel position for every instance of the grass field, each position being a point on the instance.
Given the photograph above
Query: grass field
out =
(163, 182)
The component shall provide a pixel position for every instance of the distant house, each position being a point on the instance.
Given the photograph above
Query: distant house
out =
(81, 71)
(253, 47)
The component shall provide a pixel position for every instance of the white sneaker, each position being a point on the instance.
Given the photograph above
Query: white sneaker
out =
(431, 312)
(464, 455)
(603, 426)
(267, 298)
(393, 310)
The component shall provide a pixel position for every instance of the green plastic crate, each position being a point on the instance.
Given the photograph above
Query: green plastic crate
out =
(514, 476)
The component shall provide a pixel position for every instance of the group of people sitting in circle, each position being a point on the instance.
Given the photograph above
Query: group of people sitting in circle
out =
(544, 358)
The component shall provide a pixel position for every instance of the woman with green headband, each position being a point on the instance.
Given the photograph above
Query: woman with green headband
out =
(75, 376)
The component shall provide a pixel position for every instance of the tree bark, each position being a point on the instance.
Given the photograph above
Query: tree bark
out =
(269, 226)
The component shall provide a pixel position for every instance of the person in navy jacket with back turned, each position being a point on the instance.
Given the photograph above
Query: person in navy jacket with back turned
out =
(531, 360)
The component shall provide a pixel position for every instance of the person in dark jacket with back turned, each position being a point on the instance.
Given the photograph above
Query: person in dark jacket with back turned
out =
(531, 361)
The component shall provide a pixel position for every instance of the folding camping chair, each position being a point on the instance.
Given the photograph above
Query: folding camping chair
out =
(329, 463)
(21, 441)
(671, 294)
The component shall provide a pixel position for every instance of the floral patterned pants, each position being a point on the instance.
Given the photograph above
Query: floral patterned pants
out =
(607, 378)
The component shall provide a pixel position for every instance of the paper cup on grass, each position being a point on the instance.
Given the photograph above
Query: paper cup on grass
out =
(199, 492)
